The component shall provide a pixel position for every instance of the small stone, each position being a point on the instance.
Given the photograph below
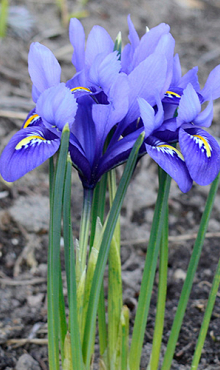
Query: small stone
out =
(35, 300)
(26, 362)
(32, 212)
(179, 274)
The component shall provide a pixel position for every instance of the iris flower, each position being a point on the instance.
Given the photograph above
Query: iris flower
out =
(179, 119)
(39, 137)
(99, 99)
(56, 105)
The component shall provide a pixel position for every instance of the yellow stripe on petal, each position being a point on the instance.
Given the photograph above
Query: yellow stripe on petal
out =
(31, 119)
(170, 149)
(80, 88)
(203, 142)
(28, 140)
(171, 93)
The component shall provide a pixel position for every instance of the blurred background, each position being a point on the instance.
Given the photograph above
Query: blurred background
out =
(24, 206)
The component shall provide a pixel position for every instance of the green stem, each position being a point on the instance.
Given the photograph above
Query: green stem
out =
(149, 273)
(161, 300)
(187, 286)
(206, 319)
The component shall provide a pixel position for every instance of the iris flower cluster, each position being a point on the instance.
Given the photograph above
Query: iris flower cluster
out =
(112, 98)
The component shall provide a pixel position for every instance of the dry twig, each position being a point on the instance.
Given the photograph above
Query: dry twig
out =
(173, 239)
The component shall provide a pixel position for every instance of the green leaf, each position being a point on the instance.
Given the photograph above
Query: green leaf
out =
(187, 286)
(3, 17)
(76, 349)
(149, 273)
(54, 252)
(104, 250)
(206, 319)
(161, 299)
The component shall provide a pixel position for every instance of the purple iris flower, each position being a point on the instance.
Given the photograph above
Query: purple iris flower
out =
(101, 100)
(40, 136)
(147, 64)
(102, 97)
(97, 65)
(179, 119)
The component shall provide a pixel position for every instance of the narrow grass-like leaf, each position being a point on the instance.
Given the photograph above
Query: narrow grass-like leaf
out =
(67, 224)
(84, 231)
(114, 284)
(91, 268)
(161, 300)
(51, 177)
(98, 211)
(104, 250)
(67, 363)
(3, 17)
(206, 319)
(114, 302)
(76, 349)
(62, 318)
(125, 337)
(98, 206)
(54, 253)
(149, 272)
(187, 286)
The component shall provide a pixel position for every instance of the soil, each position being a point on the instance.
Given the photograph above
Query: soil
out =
(24, 206)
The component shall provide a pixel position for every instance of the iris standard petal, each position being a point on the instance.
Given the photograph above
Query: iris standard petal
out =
(149, 42)
(126, 59)
(27, 149)
(147, 114)
(133, 35)
(205, 117)
(189, 106)
(99, 41)
(104, 70)
(77, 39)
(118, 98)
(171, 161)
(202, 154)
(57, 106)
(190, 77)
(154, 70)
(43, 67)
(212, 85)
(176, 71)
(84, 128)
(166, 46)
(102, 125)
(35, 93)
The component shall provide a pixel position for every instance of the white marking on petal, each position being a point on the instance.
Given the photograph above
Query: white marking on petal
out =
(168, 149)
(203, 144)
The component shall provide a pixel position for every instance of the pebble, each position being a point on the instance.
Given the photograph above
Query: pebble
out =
(26, 362)
(179, 274)
(32, 212)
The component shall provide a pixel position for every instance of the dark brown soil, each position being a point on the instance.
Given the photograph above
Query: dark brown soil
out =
(24, 208)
